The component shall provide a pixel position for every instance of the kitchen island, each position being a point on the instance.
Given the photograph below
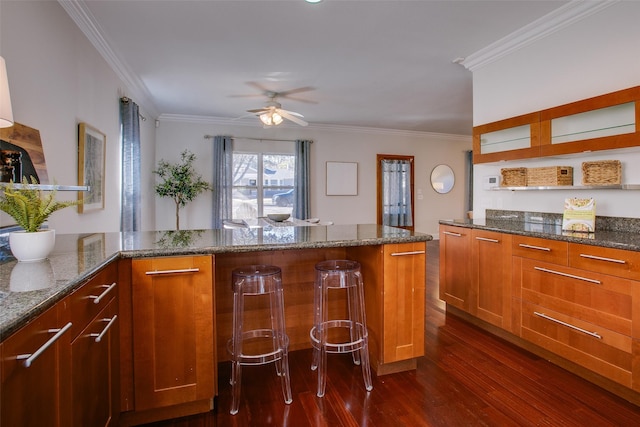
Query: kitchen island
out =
(153, 383)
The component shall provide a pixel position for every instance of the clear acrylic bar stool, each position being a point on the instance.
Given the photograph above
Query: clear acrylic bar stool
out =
(263, 345)
(336, 275)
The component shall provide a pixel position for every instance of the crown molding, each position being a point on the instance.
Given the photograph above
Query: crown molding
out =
(84, 19)
(556, 20)
(250, 122)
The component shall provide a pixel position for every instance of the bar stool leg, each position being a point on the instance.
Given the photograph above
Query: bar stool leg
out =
(236, 368)
(322, 333)
(362, 318)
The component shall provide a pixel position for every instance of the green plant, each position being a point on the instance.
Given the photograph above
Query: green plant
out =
(30, 206)
(180, 182)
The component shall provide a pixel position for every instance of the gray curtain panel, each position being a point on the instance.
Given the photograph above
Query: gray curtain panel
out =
(221, 208)
(130, 217)
(301, 208)
(396, 193)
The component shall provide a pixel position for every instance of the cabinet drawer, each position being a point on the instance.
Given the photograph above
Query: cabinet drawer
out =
(92, 297)
(541, 249)
(603, 351)
(602, 300)
(616, 262)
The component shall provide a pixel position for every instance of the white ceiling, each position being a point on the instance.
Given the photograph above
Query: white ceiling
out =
(383, 64)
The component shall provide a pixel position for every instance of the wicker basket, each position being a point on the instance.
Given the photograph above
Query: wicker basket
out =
(513, 177)
(604, 172)
(549, 176)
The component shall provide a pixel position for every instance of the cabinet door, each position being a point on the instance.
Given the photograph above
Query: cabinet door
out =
(455, 267)
(509, 139)
(32, 375)
(404, 299)
(172, 331)
(94, 375)
(491, 290)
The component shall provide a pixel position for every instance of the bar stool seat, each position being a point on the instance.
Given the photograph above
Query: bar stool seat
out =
(335, 275)
(261, 345)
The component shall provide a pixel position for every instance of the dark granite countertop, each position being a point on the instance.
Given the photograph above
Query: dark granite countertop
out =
(611, 232)
(27, 289)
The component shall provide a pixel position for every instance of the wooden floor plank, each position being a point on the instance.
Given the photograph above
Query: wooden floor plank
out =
(467, 377)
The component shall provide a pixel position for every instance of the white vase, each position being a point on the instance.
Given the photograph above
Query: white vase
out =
(34, 246)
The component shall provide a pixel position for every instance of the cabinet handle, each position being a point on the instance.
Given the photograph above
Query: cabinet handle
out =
(568, 325)
(30, 358)
(183, 270)
(484, 239)
(559, 273)
(407, 253)
(451, 233)
(539, 248)
(96, 299)
(600, 258)
(106, 328)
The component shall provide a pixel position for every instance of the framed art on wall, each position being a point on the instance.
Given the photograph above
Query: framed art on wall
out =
(91, 167)
(342, 179)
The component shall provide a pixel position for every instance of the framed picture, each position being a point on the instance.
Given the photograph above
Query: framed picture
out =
(91, 251)
(342, 179)
(91, 156)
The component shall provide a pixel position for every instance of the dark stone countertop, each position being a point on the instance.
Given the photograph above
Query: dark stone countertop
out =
(27, 289)
(611, 232)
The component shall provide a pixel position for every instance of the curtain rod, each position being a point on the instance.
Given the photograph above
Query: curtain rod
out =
(256, 139)
(126, 99)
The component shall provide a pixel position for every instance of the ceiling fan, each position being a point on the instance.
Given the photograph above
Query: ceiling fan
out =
(272, 114)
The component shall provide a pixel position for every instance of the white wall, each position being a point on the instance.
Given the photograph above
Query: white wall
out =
(57, 80)
(594, 56)
(330, 144)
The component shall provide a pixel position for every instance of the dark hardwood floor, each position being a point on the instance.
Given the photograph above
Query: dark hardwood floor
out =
(467, 378)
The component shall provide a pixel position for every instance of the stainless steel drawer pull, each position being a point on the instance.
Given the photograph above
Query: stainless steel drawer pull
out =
(106, 328)
(407, 253)
(484, 239)
(600, 258)
(539, 248)
(450, 233)
(568, 325)
(96, 299)
(183, 270)
(29, 358)
(559, 273)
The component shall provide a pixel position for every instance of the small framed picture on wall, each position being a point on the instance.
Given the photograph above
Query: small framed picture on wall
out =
(91, 167)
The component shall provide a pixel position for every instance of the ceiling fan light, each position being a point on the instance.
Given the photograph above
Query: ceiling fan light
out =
(271, 118)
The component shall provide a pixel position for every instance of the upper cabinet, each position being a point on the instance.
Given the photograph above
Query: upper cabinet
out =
(601, 123)
(510, 139)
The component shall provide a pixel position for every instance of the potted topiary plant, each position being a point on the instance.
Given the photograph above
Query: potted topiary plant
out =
(30, 207)
(180, 182)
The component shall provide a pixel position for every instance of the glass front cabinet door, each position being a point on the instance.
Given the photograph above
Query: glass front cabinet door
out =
(510, 139)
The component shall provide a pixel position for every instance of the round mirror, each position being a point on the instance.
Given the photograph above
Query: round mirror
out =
(442, 179)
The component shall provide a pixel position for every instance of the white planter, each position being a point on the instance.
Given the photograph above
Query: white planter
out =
(28, 247)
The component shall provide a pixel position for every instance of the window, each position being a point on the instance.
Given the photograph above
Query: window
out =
(262, 184)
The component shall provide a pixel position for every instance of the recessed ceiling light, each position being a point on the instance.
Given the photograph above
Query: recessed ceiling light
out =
(313, 1)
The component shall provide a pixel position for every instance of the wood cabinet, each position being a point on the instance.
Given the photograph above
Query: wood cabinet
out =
(603, 122)
(455, 266)
(510, 139)
(94, 355)
(61, 369)
(490, 290)
(173, 331)
(404, 293)
(34, 386)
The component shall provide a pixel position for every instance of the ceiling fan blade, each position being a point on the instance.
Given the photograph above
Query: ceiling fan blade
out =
(286, 93)
(258, 86)
(293, 113)
(306, 101)
(258, 110)
(294, 119)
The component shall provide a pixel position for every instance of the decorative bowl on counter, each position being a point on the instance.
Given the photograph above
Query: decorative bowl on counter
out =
(278, 217)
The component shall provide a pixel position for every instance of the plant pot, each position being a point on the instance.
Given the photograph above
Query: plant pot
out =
(28, 247)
